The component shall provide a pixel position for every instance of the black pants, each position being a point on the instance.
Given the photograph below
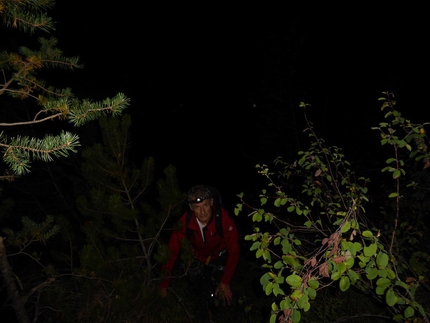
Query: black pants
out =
(204, 278)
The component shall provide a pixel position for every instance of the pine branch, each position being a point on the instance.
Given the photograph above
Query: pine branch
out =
(21, 150)
(27, 15)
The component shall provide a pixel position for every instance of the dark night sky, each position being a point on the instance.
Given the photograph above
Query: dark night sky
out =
(195, 72)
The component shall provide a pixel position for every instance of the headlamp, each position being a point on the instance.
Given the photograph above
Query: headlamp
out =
(197, 200)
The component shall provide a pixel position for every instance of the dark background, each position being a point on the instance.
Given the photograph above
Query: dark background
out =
(211, 86)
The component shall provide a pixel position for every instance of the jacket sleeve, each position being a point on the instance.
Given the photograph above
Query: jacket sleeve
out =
(175, 248)
(231, 237)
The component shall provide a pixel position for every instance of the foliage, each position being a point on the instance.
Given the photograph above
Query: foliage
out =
(21, 72)
(321, 235)
(125, 210)
(29, 107)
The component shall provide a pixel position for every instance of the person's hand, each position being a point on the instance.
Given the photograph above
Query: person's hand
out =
(224, 291)
(163, 292)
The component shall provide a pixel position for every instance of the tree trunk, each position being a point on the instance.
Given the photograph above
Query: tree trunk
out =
(17, 301)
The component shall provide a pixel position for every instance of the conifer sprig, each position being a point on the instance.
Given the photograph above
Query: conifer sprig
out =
(22, 149)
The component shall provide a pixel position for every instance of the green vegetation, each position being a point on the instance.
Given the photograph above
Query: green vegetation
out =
(82, 237)
(40, 102)
(317, 224)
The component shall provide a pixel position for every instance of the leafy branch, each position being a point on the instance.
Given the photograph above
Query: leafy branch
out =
(319, 236)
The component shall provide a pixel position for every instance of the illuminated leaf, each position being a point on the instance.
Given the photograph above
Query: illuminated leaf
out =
(295, 316)
(312, 293)
(380, 290)
(391, 274)
(336, 275)
(391, 298)
(346, 226)
(303, 302)
(294, 281)
(353, 276)
(273, 318)
(383, 282)
(269, 288)
(367, 234)
(313, 283)
(278, 265)
(409, 312)
(372, 274)
(370, 250)
(344, 283)
(259, 253)
(382, 273)
(297, 294)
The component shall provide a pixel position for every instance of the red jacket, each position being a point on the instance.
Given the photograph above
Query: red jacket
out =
(202, 250)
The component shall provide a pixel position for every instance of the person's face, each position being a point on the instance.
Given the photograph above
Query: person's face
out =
(203, 210)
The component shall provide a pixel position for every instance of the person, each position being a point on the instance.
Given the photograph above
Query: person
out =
(207, 246)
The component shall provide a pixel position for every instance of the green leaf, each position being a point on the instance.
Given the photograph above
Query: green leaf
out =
(255, 245)
(267, 256)
(313, 283)
(391, 274)
(269, 288)
(257, 217)
(391, 298)
(277, 290)
(273, 318)
(297, 294)
(290, 261)
(294, 281)
(367, 234)
(285, 304)
(286, 246)
(369, 251)
(372, 274)
(344, 283)
(396, 174)
(383, 282)
(382, 273)
(409, 312)
(278, 265)
(402, 284)
(353, 276)
(312, 293)
(346, 226)
(295, 316)
(364, 259)
(274, 306)
(259, 253)
(336, 275)
(303, 303)
(380, 290)
(401, 143)
(265, 279)
(358, 247)
(349, 262)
